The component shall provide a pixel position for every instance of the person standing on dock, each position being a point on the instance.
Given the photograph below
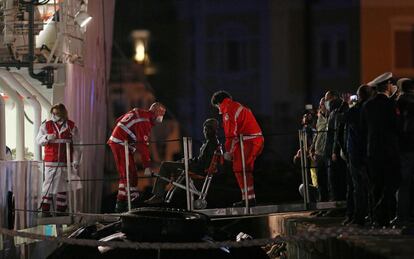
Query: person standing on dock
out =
(238, 119)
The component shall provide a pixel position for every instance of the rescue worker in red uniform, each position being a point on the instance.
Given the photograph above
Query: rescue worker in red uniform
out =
(53, 135)
(135, 127)
(237, 120)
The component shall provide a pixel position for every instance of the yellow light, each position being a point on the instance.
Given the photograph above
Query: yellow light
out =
(139, 52)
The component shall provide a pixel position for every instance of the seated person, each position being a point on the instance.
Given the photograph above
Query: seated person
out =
(198, 165)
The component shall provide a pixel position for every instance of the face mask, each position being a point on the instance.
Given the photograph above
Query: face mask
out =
(55, 118)
(218, 107)
(159, 119)
(327, 105)
(394, 89)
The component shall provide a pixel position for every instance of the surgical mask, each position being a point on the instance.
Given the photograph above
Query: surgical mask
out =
(394, 89)
(55, 118)
(159, 119)
(327, 105)
(218, 107)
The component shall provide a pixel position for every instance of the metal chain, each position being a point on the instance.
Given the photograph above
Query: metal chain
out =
(313, 235)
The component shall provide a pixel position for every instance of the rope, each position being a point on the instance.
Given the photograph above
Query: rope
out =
(319, 234)
(176, 140)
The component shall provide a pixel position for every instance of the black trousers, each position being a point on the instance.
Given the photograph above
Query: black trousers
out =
(322, 175)
(385, 177)
(358, 191)
(337, 179)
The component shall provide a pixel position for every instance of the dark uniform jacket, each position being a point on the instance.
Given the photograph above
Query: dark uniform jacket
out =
(379, 121)
(355, 142)
(331, 127)
(405, 106)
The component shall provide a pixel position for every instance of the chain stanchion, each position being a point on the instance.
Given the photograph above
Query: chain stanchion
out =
(41, 176)
(187, 185)
(190, 147)
(302, 164)
(126, 148)
(246, 196)
(190, 156)
(305, 145)
(69, 174)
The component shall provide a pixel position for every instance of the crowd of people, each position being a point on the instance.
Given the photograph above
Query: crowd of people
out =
(362, 151)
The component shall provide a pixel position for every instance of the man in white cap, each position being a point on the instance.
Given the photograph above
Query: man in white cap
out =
(379, 123)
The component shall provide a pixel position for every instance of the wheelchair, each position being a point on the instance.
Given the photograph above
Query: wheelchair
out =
(198, 196)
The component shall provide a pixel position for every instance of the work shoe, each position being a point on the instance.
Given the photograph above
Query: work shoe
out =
(346, 221)
(121, 206)
(242, 203)
(155, 199)
(398, 222)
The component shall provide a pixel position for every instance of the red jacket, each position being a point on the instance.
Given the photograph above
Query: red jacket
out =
(135, 127)
(237, 120)
(56, 152)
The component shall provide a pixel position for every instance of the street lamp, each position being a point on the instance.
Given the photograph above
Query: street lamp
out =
(140, 39)
(139, 51)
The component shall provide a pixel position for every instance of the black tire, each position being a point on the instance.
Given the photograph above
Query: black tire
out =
(164, 224)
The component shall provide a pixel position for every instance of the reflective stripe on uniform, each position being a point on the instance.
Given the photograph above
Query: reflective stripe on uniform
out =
(61, 141)
(58, 195)
(252, 136)
(251, 196)
(116, 140)
(236, 115)
(120, 142)
(238, 111)
(127, 130)
(55, 164)
(136, 121)
(61, 203)
(249, 188)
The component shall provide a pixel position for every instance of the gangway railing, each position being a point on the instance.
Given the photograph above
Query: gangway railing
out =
(308, 204)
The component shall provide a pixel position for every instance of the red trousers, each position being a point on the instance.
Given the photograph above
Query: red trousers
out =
(252, 149)
(119, 155)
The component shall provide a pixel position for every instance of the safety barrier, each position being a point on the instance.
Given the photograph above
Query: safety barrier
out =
(187, 147)
(309, 235)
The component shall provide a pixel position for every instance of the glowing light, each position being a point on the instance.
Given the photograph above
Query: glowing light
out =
(139, 52)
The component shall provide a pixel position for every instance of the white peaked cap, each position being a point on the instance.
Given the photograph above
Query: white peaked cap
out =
(384, 77)
(401, 81)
